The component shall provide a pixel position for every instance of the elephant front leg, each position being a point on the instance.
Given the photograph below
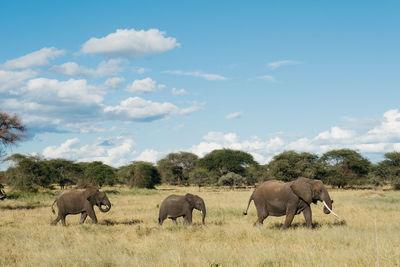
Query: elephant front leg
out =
(83, 217)
(188, 218)
(308, 216)
(92, 215)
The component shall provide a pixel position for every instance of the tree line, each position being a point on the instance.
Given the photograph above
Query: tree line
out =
(339, 168)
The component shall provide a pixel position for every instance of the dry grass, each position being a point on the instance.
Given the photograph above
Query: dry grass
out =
(128, 235)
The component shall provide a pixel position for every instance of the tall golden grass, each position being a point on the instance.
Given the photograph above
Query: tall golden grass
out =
(128, 235)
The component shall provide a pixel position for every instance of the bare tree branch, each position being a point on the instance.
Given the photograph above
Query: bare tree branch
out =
(11, 130)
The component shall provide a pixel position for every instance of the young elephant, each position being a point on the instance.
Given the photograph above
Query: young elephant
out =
(275, 198)
(175, 206)
(77, 201)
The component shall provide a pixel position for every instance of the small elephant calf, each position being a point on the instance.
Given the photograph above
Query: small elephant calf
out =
(77, 201)
(175, 206)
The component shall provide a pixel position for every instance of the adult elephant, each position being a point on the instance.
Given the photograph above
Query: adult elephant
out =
(275, 198)
(175, 206)
(80, 201)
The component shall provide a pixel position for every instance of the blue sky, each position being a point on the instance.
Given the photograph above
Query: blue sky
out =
(122, 81)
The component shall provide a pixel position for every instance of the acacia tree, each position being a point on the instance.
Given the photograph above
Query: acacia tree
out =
(140, 174)
(222, 161)
(65, 171)
(199, 177)
(388, 170)
(290, 165)
(175, 167)
(344, 167)
(11, 131)
(98, 173)
(28, 172)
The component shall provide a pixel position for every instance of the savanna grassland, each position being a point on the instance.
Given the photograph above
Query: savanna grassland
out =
(128, 235)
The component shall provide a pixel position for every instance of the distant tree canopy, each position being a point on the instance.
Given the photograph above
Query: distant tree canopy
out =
(175, 167)
(227, 160)
(199, 177)
(140, 174)
(28, 172)
(344, 167)
(65, 171)
(11, 130)
(98, 173)
(388, 170)
(289, 165)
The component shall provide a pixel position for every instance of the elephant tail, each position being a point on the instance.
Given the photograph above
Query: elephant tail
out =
(52, 209)
(248, 205)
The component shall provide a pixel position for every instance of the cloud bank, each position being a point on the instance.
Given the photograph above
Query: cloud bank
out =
(130, 43)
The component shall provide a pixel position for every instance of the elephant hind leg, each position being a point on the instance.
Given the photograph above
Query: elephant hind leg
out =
(63, 220)
(262, 215)
(56, 220)
(174, 220)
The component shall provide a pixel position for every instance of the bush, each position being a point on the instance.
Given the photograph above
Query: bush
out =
(231, 179)
(140, 174)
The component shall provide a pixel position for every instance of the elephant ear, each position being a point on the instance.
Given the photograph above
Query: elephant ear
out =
(90, 194)
(302, 187)
(191, 199)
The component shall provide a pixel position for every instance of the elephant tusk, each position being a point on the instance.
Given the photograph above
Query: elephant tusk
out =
(326, 206)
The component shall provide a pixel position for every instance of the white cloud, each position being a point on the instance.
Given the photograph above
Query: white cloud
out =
(141, 70)
(207, 76)
(267, 78)
(37, 58)
(107, 68)
(277, 64)
(146, 85)
(179, 91)
(73, 69)
(138, 109)
(24, 105)
(388, 130)
(336, 134)
(130, 43)
(149, 155)
(234, 115)
(114, 151)
(204, 148)
(179, 127)
(71, 91)
(114, 83)
(11, 81)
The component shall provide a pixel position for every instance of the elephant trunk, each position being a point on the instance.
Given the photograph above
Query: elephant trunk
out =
(107, 203)
(326, 199)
